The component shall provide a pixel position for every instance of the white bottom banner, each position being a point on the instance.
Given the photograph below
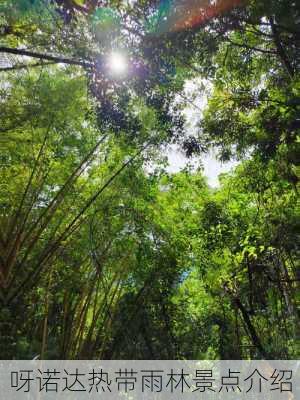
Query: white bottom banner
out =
(149, 379)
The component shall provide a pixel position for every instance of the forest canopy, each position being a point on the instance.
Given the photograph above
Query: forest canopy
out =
(106, 254)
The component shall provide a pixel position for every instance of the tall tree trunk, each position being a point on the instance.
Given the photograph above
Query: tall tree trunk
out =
(280, 50)
(251, 329)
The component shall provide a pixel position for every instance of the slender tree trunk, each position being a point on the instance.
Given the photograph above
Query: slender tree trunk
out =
(280, 50)
(8, 333)
(45, 325)
(251, 329)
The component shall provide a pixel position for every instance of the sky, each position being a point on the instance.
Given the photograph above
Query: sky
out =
(196, 92)
(212, 167)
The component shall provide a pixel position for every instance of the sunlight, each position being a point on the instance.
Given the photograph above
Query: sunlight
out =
(117, 63)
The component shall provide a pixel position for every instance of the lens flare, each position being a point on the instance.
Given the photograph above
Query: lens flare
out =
(178, 15)
(106, 24)
(117, 63)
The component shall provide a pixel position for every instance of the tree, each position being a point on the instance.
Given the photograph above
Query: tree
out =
(102, 256)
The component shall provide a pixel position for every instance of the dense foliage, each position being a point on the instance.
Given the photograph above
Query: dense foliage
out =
(103, 253)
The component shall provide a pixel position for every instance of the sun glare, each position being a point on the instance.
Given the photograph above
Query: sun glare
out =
(117, 63)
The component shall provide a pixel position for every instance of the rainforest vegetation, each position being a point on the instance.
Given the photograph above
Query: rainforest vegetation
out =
(105, 253)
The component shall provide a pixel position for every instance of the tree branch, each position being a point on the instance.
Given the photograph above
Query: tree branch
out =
(245, 46)
(57, 59)
(23, 66)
